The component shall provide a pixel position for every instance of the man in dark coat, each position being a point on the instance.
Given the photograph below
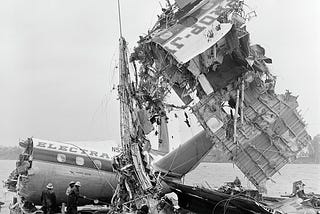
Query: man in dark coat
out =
(48, 200)
(71, 185)
(73, 199)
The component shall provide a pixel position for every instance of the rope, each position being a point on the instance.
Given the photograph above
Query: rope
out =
(227, 202)
(87, 156)
(174, 158)
(178, 165)
(92, 162)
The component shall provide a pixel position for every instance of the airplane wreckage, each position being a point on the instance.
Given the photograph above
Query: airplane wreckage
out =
(201, 50)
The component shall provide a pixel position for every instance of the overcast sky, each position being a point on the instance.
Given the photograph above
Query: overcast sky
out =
(58, 58)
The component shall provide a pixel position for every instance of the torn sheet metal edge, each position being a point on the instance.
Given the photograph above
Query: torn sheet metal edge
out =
(184, 46)
(186, 42)
(258, 172)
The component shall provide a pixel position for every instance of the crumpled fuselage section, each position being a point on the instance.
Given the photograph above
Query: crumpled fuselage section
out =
(204, 55)
(18, 178)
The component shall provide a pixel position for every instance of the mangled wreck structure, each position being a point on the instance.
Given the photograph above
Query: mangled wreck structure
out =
(201, 50)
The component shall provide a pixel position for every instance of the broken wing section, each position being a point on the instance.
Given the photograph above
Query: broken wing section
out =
(186, 157)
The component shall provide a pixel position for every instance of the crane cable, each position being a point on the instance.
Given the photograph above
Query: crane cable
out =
(92, 162)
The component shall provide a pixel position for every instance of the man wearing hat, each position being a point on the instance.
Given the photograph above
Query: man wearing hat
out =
(71, 185)
(68, 191)
(73, 199)
(48, 200)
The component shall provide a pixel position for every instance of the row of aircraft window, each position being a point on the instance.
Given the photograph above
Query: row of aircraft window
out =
(79, 160)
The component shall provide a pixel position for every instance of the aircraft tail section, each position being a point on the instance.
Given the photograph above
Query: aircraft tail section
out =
(186, 157)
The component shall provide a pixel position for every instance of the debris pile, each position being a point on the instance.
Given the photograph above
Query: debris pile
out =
(136, 182)
(202, 50)
(309, 199)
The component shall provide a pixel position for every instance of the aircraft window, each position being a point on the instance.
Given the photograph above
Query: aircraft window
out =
(98, 163)
(61, 158)
(79, 161)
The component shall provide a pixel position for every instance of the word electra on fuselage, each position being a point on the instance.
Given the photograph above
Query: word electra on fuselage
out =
(72, 154)
(75, 150)
(44, 162)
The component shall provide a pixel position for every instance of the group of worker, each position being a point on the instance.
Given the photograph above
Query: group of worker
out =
(48, 198)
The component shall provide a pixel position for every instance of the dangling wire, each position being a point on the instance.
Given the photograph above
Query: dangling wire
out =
(88, 156)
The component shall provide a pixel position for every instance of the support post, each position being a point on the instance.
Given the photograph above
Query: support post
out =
(242, 102)
(235, 118)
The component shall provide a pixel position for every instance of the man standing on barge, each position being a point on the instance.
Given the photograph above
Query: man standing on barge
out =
(73, 197)
(48, 200)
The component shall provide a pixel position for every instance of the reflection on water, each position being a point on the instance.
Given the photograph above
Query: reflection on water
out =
(215, 174)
